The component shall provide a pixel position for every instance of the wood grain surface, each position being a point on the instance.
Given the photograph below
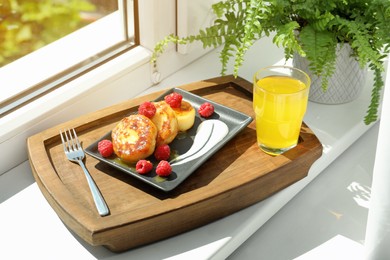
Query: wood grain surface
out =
(237, 176)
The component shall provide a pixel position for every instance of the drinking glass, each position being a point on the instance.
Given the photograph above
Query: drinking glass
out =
(280, 95)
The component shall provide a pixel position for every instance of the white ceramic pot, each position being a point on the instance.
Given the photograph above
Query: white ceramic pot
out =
(346, 83)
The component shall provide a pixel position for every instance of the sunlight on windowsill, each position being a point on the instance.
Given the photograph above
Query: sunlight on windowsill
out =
(338, 247)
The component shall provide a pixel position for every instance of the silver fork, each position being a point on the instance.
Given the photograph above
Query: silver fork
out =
(75, 153)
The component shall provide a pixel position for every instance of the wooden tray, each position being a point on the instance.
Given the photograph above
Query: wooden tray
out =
(237, 176)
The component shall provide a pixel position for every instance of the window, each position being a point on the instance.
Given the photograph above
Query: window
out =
(121, 77)
(29, 25)
(90, 32)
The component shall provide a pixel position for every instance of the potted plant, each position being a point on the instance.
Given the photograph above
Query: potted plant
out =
(310, 28)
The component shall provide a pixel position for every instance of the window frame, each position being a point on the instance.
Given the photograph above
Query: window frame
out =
(41, 75)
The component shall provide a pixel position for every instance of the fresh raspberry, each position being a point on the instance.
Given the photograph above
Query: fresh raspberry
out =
(105, 148)
(162, 152)
(174, 100)
(143, 166)
(147, 109)
(163, 168)
(206, 109)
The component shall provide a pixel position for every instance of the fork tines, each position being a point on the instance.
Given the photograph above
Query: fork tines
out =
(70, 140)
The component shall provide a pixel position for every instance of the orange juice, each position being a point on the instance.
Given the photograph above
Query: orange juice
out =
(280, 104)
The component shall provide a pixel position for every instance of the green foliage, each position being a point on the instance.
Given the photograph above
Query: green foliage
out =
(311, 28)
(27, 25)
(319, 47)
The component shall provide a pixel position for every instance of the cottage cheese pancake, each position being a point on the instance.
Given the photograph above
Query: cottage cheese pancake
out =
(185, 115)
(166, 123)
(134, 138)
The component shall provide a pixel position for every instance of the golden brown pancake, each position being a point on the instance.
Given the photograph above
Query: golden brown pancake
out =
(134, 138)
(166, 123)
(185, 115)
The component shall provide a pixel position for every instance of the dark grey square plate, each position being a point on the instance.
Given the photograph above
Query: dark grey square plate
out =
(235, 120)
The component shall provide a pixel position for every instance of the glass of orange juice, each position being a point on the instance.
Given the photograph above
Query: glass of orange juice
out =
(280, 95)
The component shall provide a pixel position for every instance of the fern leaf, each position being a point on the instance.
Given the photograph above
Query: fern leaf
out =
(320, 49)
(372, 112)
(161, 45)
(252, 31)
(286, 37)
(321, 22)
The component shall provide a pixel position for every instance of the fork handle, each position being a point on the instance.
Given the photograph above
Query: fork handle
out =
(97, 196)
